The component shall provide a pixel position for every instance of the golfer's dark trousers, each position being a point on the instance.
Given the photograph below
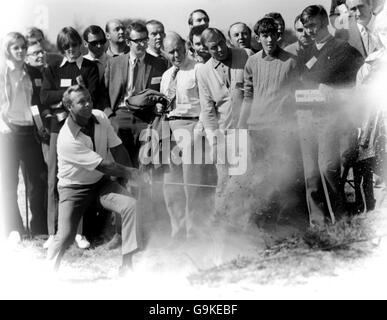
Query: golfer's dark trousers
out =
(21, 146)
(73, 202)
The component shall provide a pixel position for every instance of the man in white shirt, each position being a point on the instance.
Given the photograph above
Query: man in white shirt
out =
(363, 38)
(83, 172)
(189, 206)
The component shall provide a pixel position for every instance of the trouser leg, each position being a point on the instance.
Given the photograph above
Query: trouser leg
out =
(368, 184)
(330, 162)
(175, 199)
(36, 172)
(9, 170)
(200, 205)
(114, 197)
(52, 204)
(72, 204)
(310, 150)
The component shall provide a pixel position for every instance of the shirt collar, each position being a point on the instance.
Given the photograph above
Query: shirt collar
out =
(226, 62)
(132, 57)
(323, 41)
(75, 128)
(101, 59)
(78, 62)
(370, 26)
(152, 52)
(11, 65)
(111, 53)
(273, 56)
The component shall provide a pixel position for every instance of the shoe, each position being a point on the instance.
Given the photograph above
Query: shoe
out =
(49, 241)
(115, 242)
(14, 239)
(82, 242)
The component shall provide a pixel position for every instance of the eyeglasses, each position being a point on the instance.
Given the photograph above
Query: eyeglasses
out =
(142, 41)
(36, 53)
(97, 42)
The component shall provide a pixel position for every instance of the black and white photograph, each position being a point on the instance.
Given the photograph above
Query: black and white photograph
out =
(175, 150)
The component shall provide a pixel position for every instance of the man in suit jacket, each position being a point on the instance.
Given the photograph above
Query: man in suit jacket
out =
(126, 78)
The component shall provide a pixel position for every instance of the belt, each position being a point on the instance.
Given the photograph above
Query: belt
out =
(181, 118)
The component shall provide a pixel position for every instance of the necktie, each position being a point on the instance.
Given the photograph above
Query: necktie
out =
(171, 91)
(366, 39)
(132, 77)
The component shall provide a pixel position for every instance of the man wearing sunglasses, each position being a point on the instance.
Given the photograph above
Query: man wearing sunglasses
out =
(95, 42)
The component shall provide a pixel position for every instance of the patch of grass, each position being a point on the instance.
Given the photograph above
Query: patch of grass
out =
(338, 236)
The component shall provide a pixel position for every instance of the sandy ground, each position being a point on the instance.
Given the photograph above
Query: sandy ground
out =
(225, 266)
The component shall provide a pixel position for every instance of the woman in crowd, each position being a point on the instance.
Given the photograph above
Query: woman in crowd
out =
(19, 141)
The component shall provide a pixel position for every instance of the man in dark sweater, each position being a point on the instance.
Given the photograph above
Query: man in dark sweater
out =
(57, 77)
(333, 65)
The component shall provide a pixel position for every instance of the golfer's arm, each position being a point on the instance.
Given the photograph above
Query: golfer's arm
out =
(114, 169)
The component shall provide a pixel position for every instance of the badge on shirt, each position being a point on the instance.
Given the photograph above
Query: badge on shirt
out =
(156, 80)
(65, 83)
(311, 62)
(38, 82)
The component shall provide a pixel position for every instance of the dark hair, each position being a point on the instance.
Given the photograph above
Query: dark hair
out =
(244, 24)
(66, 100)
(93, 29)
(196, 31)
(277, 18)
(211, 31)
(266, 25)
(154, 22)
(135, 26)
(296, 19)
(32, 32)
(67, 36)
(190, 19)
(315, 11)
(31, 43)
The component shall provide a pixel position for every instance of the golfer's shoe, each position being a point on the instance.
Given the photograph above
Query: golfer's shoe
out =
(48, 242)
(14, 239)
(82, 242)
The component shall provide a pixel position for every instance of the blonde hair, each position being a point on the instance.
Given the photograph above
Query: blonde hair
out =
(10, 39)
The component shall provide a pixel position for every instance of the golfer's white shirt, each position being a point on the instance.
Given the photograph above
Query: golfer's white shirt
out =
(78, 157)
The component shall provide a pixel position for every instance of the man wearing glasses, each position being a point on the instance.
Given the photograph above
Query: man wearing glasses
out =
(127, 77)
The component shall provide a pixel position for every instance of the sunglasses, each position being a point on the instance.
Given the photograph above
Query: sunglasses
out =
(97, 42)
(137, 41)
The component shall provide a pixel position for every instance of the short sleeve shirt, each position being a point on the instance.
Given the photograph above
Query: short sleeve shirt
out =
(79, 155)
